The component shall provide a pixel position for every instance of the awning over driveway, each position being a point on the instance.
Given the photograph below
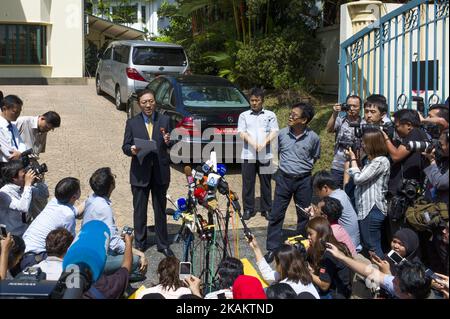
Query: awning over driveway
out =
(113, 30)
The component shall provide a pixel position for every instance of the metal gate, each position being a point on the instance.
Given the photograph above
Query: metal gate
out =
(404, 56)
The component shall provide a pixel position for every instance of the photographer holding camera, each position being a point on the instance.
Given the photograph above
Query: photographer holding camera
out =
(437, 172)
(437, 115)
(11, 251)
(98, 207)
(22, 188)
(345, 134)
(406, 175)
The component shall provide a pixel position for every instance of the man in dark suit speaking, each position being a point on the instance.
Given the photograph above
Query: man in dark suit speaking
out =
(151, 172)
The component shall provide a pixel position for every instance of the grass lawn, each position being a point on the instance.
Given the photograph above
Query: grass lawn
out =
(323, 108)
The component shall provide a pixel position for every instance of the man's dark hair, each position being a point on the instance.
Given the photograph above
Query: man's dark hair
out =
(378, 101)
(52, 118)
(66, 188)
(324, 178)
(412, 279)
(406, 116)
(10, 101)
(280, 290)
(143, 92)
(58, 241)
(101, 181)
(307, 110)
(445, 132)
(16, 251)
(11, 170)
(229, 269)
(258, 92)
(332, 208)
(354, 96)
(442, 110)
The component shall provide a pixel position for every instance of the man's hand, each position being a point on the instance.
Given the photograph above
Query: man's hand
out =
(135, 150)
(166, 138)
(15, 155)
(430, 156)
(335, 251)
(80, 209)
(6, 243)
(349, 153)
(337, 107)
(30, 176)
(143, 264)
(260, 147)
(194, 284)
(383, 265)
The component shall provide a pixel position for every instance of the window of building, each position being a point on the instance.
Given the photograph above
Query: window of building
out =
(143, 14)
(23, 44)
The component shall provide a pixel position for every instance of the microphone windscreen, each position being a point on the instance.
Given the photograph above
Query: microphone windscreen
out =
(89, 248)
(182, 205)
(200, 193)
(221, 169)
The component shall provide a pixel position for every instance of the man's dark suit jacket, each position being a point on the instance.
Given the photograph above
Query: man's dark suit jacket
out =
(156, 163)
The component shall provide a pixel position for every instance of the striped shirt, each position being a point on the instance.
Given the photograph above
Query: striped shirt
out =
(371, 186)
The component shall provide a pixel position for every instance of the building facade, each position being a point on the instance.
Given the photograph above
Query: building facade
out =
(38, 38)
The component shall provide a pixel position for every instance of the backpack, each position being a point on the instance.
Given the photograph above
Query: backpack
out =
(425, 216)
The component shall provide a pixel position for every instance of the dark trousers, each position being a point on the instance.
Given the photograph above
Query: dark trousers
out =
(249, 171)
(140, 205)
(285, 188)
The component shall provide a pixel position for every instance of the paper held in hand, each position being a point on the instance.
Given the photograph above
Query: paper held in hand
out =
(145, 146)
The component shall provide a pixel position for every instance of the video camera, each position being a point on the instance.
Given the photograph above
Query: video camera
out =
(360, 129)
(30, 163)
(300, 243)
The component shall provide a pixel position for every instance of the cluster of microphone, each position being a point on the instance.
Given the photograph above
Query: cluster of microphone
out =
(204, 182)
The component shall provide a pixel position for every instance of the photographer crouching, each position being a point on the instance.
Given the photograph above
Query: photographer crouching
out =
(406, 177)
(345, 134)
(23, 187)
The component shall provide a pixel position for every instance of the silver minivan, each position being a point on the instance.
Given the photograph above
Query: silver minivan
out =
(127, 66)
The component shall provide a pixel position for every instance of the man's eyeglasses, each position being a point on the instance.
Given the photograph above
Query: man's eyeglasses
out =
(294, 116)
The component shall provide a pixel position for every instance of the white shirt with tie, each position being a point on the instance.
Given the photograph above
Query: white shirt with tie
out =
(10, 140)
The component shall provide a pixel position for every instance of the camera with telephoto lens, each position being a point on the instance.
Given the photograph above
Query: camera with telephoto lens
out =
(127, 231)
(422, 146)
(345, 107)
(360, 129)
(346, 143)
(30, 163)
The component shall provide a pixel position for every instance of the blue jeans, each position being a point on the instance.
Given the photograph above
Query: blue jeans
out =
(370, 228)
(114, 262)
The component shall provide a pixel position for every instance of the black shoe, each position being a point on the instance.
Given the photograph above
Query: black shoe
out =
(269, 257)
(248, 214)
(166, 252)
(265, 214)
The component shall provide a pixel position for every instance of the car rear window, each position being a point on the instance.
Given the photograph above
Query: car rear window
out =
(159, 56)
(212, 96)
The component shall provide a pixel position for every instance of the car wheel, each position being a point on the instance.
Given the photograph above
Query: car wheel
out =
(98, 88)
(118, 99)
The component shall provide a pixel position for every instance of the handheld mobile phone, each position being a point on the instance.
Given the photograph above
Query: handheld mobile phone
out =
(185, 270)
(395, 257)
(303, 211)
(3, 232)
(430, 274)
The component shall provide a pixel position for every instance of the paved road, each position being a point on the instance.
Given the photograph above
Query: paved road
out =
(90, 137)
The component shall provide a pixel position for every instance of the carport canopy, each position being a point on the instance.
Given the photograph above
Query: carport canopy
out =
(114, 30)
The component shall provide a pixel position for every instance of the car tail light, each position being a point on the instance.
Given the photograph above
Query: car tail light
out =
(187, 127)
(133, 74)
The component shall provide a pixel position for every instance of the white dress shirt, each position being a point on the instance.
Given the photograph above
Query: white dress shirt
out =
(29, 131)
(14, 201)
(7, 144)
(53, 216)
(52, 266)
